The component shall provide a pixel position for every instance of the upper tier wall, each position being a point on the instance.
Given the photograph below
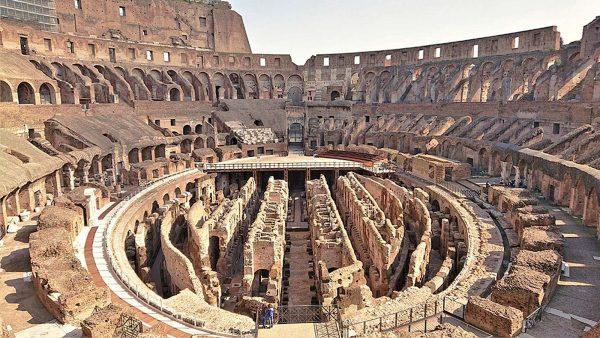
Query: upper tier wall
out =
(542, 39)
(211, 27)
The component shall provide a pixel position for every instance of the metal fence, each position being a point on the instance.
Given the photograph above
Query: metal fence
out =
(421, 318)
(533, 319)
(306, 314)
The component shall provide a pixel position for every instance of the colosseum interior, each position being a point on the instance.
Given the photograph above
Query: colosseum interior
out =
(160, 179)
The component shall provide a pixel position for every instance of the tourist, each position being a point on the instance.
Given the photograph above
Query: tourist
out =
(268, 317)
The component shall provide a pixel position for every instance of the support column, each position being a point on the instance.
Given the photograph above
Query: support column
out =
(57, 186)
(70, 178)
(286, 175)
(92, 211)
(3, 214)
(517, 176)
(505, 173)
(572, 201)
(85, 174)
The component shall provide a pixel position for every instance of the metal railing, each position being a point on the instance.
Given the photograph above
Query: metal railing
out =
(420, 318)
(306, 314)
(378, 169)
(533, 318)
(144, 294)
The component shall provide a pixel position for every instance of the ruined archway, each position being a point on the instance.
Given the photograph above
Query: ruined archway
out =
(335, 95)
(47, 94)
(5, 92)
(187, 130)
(174, 95)
(25, 93)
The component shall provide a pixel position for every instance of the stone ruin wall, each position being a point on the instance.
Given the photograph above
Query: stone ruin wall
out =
(227, 222)
(177, 266)
(377, 239)
(265, 246)
(337, 265)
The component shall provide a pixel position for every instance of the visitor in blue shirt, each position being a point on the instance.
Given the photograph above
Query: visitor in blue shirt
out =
(268, 317)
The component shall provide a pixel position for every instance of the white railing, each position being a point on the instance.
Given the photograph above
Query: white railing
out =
(378, 169)
(145, 295)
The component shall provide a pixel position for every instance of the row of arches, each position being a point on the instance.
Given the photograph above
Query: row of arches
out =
(81, 83)
(26, 93)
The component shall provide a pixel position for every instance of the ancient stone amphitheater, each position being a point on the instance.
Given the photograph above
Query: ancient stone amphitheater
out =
(158, 178)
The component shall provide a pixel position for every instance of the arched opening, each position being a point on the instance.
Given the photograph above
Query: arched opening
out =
(47, 94)
(214, 251)
(295, 95)
(5, 92)
(199, 143)
(435, 206)
(25, 93)
(187, 130)
(198, 129)
(159, 151)
(210, 143)
(232, 140)
(177, 192)
(174, 95)
(134, 155)
(260, 283)
(147, 154)
(107, 162)
(191, 188)
(296, 134)
(186, 146)
(335, 95)
(166, 198)
(155, 207)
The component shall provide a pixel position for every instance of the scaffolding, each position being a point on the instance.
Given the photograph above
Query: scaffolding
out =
(41, 12)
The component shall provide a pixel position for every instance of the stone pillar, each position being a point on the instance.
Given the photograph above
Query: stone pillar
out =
(505, 172)
(57, 185)
(517, 176)
(85, 174)
(70, 179)
(286, 175)
(92, 211)
(140, 158)
(3, 212)
(572, 201)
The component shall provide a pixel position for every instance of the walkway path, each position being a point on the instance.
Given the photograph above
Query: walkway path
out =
(576, 302)
(103, 275)
(298, 258)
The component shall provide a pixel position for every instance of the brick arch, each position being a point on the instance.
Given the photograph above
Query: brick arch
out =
(25, 93)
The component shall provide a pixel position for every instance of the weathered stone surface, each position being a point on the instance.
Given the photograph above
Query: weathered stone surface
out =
(499, 320)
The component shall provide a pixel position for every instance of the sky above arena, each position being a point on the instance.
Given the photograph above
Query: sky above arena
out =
(304, 28)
